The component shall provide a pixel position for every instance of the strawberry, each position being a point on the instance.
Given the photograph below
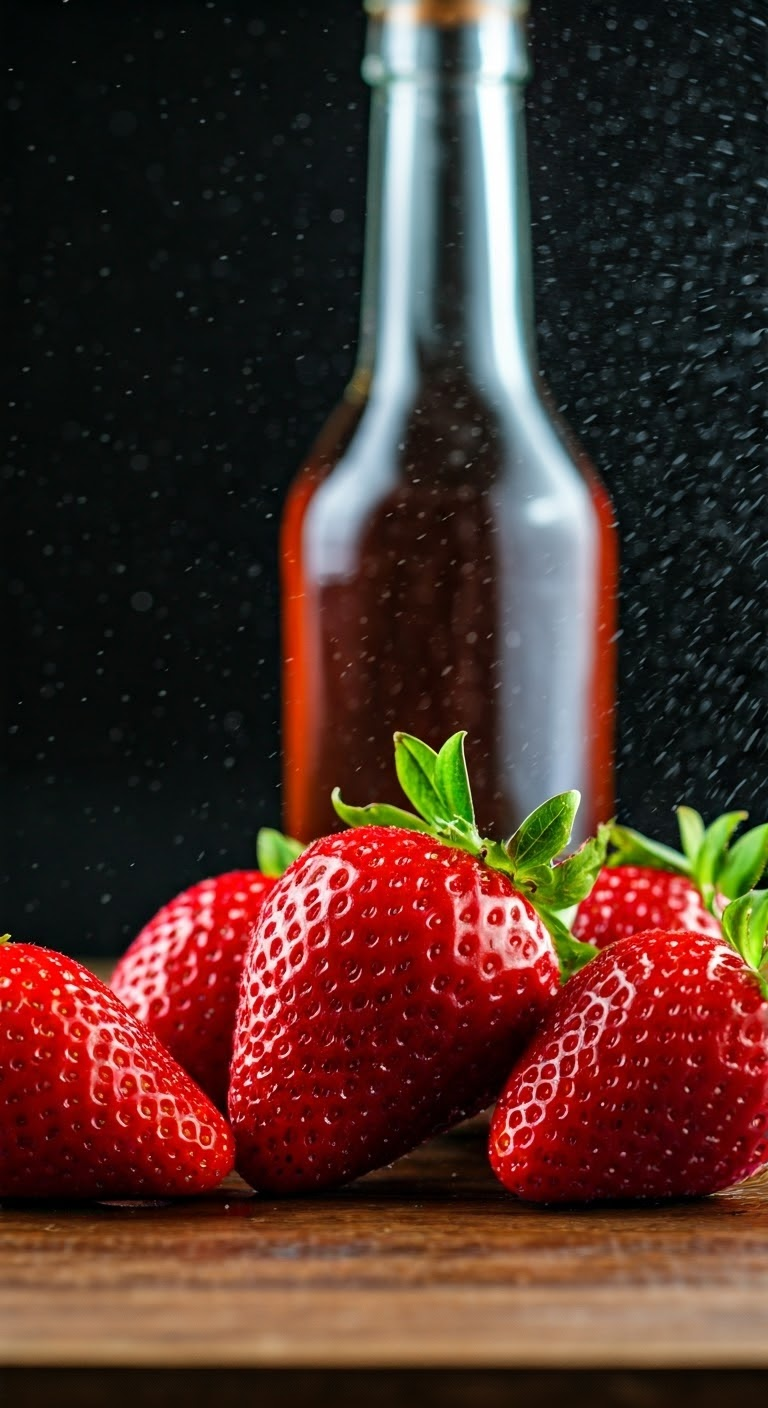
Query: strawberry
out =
(91, 1105)
(181, 974)
(395, 973)
(627, 899)
(649, 1077)
(649, 886)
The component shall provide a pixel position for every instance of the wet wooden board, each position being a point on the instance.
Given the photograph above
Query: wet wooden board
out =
(426, 1266)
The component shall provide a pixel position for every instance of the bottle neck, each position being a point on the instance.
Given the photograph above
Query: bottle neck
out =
(447, 286)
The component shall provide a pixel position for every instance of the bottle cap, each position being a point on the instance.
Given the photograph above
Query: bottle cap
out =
(444, 12)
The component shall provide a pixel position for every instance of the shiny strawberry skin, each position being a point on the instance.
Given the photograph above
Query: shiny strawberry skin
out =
(91, 1105)
(628, 899)
(648, 1079)
(181, 975)
(391, 982)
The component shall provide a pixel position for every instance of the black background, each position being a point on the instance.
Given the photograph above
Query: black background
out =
(183, 208)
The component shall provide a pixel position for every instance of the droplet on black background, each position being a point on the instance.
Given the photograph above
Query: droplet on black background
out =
(184, 211)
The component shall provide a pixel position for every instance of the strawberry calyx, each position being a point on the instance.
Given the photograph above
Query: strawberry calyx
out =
(4, 939)
(720, 870)
(745, 925)
(275, 852)
(437, 785)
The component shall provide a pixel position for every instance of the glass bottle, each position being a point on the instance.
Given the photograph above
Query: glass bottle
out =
(448, 552)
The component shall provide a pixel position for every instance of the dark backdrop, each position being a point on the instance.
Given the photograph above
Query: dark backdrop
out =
(183, 198)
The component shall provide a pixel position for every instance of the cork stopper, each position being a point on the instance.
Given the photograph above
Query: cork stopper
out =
(444, 13)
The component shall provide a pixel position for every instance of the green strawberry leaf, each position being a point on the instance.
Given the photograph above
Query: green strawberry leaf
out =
(744, 864)
(567, 916)
(712, 851)
(691, 831)
(575, 876)
(377, 814)
(275, 852)
(463, 834)
(543, 834)
(630, 848)
(451, 779)
(572, 953)
(745, 924)
(416, 765)
(539, 885)
(564, 885)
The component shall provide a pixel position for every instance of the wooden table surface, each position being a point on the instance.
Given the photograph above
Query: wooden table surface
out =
(428, 1265)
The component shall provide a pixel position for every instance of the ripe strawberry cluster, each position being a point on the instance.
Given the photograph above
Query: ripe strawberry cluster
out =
(316, 1018)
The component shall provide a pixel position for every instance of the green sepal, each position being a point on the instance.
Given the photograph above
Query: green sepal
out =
(438, 786)
(564, 885)
(576, 876)
(543, 834)
(691, 826)
(744, 864)
(572, 954)
(275, 852)
(630, 848)
(451, 779)
(713, 849)
(416, 764)
(436, 783)
(377, 814)
(539, 885)
(745, 925)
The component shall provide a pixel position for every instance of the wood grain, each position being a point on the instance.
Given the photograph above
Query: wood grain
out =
(428, 1265)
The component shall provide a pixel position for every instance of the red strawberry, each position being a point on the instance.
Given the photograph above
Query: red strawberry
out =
(627, 899)
(181, 974)
(649, 1077)
(395, 972)
(649, 886)
(91, 1105)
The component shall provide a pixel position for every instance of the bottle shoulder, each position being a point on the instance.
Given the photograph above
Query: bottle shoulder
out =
(446, 435)
(420, 477)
